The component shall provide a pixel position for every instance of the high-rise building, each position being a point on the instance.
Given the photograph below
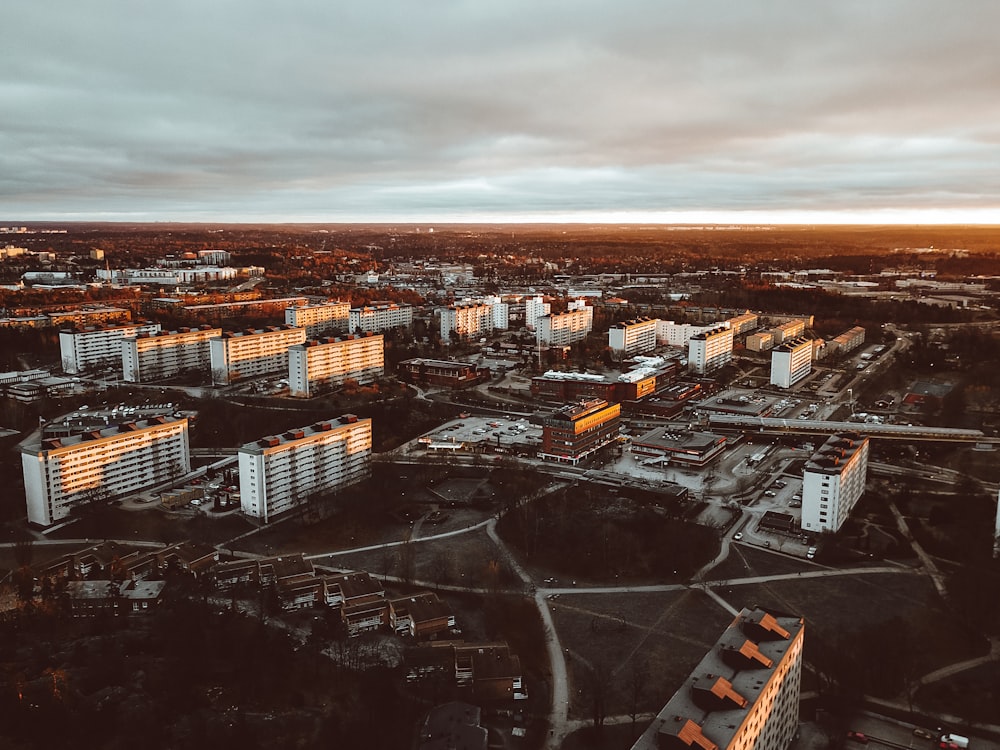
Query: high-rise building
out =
(562, 329)
(500, 311)
(325, 319)
(249, 354)
(669, 333)
(466, 319)
(534, 308)
(575, 431)
(709, 350)
(328, 363)
(833, 480)
(99, 465)
(97, 347)
(380, 317)
(744, 695)
(791, 361)
(632, 337)
(154, 356)
(281, 472)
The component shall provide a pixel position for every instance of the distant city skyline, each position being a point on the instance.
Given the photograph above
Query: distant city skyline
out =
(451, 112)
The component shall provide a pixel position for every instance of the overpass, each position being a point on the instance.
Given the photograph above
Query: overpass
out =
(776, 426)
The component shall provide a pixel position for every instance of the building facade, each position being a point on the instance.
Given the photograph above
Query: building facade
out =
(248, 354)
(154, 356)
(578, 430)
(848, 340)
(443, 372)
(328, 363)
(89, 348)
(709, 350)
(833, 481)
(101, 465)
(632, 337)
(380, 317)
(534, 308)
(279, 473)
(791, 361)
(466, 319)
(669, 333)
(563, 329)
(744, 323)
(744, 695)
(328, 318)
(790, 330)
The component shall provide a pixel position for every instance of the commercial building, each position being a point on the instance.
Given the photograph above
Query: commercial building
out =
(632, 337)
(281, 472)
(327, 318)
(791, 361)
(833, 480)
(678, 447)
(101, 465)
(97, 347)
(380, 317)
(743, 695)
(563, 329)
(249, 354)
(575, 431)
(328, 363)
(443, 372)
(154, 356)
(709, 350)
(466, 319)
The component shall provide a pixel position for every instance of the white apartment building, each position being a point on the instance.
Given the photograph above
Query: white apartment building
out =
(744, 323)
(501, 312)
(833, 480)
(669, 333)
(116, 461)
(789, 330)
(97, 347)
(325, 319)
(791, 361)
(250, 354)
(380, 317)
(467, 319)
(632, 337)
(709, 350)
(743, 695)
(328, 363)
(562, 329)
(280, 472)
(534, 308)
(154, 356)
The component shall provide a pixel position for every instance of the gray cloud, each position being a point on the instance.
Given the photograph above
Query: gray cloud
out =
(254, 110)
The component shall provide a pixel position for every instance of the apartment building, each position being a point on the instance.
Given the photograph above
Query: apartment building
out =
(90, 316)
(324, 319)
(154, 356)
(534, 308)
(88, 348)
(501, 312)
(631, 337)
(322, 364)
(576, 431)
(848, 340)
(380, 317)
(833, 480)
(98, 465)
(248, 354)
(466, 319)
(791, 361)
(709, 350)
(790, 330)
(761, 341)
(562, 329)
(669, 333)
(744, 323)
(219, 312)
(281, 472)
(743, 695)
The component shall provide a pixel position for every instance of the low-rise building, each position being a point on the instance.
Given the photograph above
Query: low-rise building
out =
(679, 447)
(443, 372)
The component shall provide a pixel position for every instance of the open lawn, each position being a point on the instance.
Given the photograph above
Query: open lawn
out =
(973, 694)
(154, 525)
(747, 561)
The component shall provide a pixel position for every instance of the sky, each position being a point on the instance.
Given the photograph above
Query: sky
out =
(477, 110)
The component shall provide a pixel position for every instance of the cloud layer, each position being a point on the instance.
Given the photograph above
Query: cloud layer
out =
(307, 110)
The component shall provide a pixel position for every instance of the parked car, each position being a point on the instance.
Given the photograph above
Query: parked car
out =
(858, 737)
(737, 536)
(811, 553)
(925, 733)
(770, 493)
